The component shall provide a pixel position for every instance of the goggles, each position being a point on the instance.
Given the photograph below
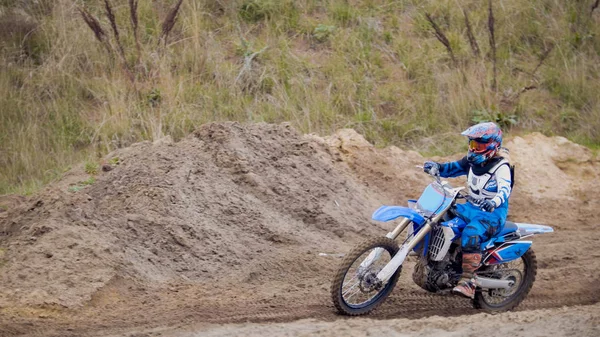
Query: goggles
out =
(477, 147)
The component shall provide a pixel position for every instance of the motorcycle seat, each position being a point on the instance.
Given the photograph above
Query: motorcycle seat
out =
(509, 227)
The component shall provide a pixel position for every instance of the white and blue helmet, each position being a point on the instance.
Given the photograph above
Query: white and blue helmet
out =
(484, 141)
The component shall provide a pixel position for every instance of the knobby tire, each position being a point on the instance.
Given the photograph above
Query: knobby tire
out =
(342, 307)
(530, 263)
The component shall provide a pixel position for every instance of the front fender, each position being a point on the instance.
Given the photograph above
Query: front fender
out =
(389, 213)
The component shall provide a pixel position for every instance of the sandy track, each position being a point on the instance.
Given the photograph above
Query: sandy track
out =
(574, 321)
(226, 226)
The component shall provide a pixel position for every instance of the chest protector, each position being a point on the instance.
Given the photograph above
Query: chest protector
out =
(484, 186)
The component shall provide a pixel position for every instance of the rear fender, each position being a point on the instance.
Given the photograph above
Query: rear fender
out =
(506, 252)
(529, 229)
(389, 213)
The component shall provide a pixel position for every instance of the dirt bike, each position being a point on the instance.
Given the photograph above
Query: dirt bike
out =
(369, 272)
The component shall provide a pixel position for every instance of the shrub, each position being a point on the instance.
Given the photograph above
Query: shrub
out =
(322, 32)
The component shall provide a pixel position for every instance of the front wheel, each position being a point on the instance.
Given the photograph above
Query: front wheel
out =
(355, 289)
(521, 271)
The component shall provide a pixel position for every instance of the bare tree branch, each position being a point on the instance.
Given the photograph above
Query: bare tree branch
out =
(95, 26)
(169, 21)
(492, 43)
(444, 40)
(133, 6)
(113, 24)
(441, 37)
(532, 86)
(543, 57)
(471, 36)
(527, 88)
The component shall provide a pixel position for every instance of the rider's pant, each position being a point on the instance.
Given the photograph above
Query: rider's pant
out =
(481, 225)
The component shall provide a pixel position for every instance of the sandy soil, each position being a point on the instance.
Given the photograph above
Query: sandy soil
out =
(567, 321)
(226, 227)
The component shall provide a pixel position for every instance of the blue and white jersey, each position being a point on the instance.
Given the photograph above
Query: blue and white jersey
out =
(491, 182)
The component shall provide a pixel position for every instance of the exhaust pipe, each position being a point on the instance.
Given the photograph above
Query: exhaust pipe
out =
(492, 283)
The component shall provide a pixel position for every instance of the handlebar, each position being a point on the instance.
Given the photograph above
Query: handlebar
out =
(434, 173)
(460, 195)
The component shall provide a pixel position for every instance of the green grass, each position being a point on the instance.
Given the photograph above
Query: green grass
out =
(82, 184)
(91, 167)
(371, 65)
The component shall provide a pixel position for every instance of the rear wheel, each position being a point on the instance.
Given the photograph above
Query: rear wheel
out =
(521, 272)
(355, 289)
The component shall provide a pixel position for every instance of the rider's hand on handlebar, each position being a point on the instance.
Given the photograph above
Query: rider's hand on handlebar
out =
(488, 205)
(431, 167)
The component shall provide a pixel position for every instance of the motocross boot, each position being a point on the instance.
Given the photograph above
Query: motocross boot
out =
(465, 287)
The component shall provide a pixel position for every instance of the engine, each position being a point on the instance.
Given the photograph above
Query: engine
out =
(442, 268)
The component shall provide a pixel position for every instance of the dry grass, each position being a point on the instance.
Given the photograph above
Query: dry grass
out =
(149, 69)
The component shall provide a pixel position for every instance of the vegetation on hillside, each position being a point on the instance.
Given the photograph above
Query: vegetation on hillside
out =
(407, 72)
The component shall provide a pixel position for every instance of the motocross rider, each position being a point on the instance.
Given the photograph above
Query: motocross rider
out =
(489, 180)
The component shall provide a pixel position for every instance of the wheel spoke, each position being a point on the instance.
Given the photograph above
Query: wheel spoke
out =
(352, 289)
(355, 289)
(355, 277)
(515, 271)
(358, 291)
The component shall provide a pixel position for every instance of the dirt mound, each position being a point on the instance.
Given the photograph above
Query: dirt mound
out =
(557, 181)
(213, 204)
(227, 226)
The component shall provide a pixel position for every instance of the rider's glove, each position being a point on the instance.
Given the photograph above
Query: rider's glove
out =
(488, 205)
(431, 167)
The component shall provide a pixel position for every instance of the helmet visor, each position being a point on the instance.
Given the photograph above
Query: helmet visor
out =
(477, 147)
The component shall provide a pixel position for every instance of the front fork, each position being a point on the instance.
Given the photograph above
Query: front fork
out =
(376, 253)
(390, 268)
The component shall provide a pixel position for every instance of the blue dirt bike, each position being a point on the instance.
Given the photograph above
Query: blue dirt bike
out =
(369, 272)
